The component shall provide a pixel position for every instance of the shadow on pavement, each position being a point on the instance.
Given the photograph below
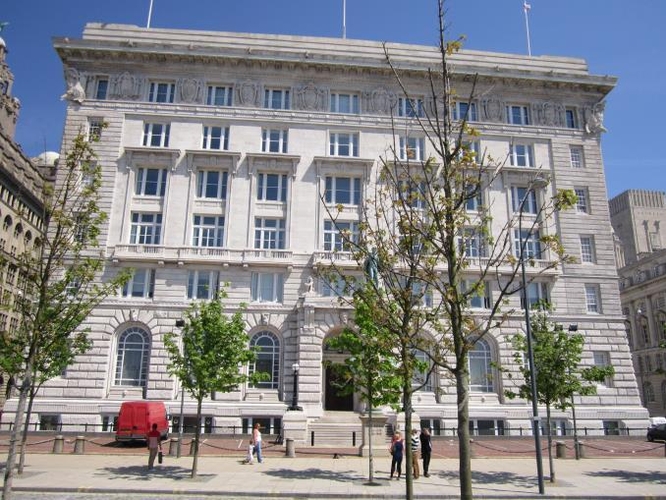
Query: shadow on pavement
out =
(141, 473)
(655, 477)
(341, 476)
(481, 478)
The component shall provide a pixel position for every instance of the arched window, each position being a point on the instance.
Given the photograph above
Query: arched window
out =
(7, 223)
(420, 377)
(18, 230)
(480, 367)
(648, 393)
(132, 357)
(268, 358)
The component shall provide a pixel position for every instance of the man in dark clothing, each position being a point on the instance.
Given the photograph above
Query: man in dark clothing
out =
(426, 449)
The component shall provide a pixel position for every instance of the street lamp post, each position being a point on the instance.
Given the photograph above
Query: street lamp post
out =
(538, 183)
(294, 397)
(180, 323)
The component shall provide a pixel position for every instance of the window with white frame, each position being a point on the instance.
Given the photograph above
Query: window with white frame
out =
(474, 196)
(592, 299)
(212, 184)
(602, 360)
(216, 138)
(156, 135)
(344, 103)
(526, 197)
(202, 284)
(141, 284)
(161, 92)
(472, 243)
(267, 287)
(410, 107)
(343, 144)
(101, 89)
(267, 360)
(412, 148)
(537, 292)
(146, 228)
(570, 118)
(276, 99)
(465, 111)
(150, 181)
(587, 251)
(132, 355)
(521, 155)
(481, 297)
(271, 187)
(338, 235)
(480, 367)
(413, 193)
(343, 190)
(423, 379)
(219, 95)
(274, 140)
(335, 286)
(208, 231)
(95, 127)
(530, 242)
(517, 114)
(582, 205)
(576, 156)
(269, 233)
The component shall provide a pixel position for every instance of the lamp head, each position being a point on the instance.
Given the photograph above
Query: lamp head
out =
(295, 367)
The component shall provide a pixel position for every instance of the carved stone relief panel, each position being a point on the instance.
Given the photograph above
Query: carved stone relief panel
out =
(379, 101)
(74, 91)
(248, 93)
(492, 109)
(190, 90)
(126, 86)
(311, 97)
(550, 114)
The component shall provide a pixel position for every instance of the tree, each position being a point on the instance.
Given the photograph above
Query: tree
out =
(60, 282)
(559, 376)
(369, 365)
(214, 351)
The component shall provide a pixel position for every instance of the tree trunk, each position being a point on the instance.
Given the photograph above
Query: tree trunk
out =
(24, 438)
(197, 435)
(14, 437)
(409, 480)
(371, 461)
(551, 464)
(464, 450)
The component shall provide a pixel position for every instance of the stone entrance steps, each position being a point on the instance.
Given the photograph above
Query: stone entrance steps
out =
(336, 429)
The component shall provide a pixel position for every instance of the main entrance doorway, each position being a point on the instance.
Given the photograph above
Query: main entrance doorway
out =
(333, 401)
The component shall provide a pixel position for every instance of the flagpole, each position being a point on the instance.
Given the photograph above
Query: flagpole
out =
(150, 14)
(344, 18)
(526, 8)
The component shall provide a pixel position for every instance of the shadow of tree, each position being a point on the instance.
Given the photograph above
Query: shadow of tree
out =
(312, 473)
(141, 473)
(654, 477)
(482, 478)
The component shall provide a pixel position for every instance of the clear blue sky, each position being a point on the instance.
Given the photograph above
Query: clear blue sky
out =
(624, 38)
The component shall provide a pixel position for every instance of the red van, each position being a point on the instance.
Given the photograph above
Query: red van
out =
(137, 417)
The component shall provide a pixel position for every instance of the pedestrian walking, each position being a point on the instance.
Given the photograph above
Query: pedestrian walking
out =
(256, 442)
(397, 449)
(154, 443)
(415, 442)
(426, 449)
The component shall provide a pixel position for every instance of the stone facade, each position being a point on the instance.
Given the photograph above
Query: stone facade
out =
(217, 150)
(637, 217)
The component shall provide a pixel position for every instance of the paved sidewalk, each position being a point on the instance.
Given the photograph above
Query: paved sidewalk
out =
(346, 477)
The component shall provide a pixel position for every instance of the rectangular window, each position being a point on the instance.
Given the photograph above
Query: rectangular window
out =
(570, 117)
(218, 96)
(150, 181)
(267, 287)
(215, 138)
(269, 233)
(481, 298)
(343, 144)
(202, 284)
(517, 115)
(471, 243)
(344, 103)
(343, 191)
(141, 284)
(161, 92)
(208, 231)
(276, 99)
(576, 156)
(536, 292)
(582, 205)
(335, 287)
(410, 107)
(412, 148)
(526, 197)
(274, 140)
(587, 253)
(465, 111)
(592, 300)
(146, 229)
(413, 194)
(602, 360)
(156, 135)
(530, 241)
(474, 201)
(95, 127)
(101, 89)
(338, 235)
(271, 187)
(521, 155)
(212, 184)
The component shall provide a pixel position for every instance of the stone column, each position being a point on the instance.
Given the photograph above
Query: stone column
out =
(375, 433)
(295, 426)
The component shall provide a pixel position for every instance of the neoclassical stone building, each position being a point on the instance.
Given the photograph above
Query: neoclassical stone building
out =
(217, 150)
